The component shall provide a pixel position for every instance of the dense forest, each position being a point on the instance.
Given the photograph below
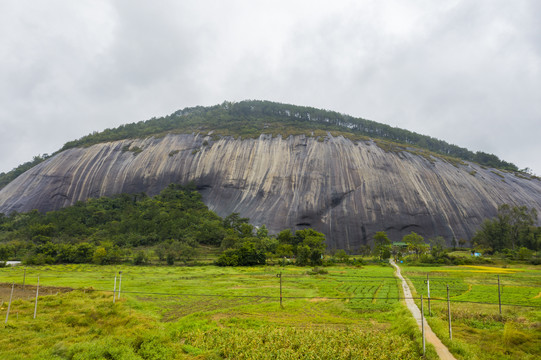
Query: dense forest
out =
(249, 119)
(174, 224)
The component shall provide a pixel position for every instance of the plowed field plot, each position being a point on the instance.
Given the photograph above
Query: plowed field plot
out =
(28, 291)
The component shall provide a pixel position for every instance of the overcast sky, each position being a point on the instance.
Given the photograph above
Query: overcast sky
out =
(467, 72)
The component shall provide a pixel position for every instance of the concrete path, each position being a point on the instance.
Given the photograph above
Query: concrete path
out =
(430, 337)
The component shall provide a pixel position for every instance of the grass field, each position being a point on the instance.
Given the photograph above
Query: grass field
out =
(216, 313)
(479, 330)
(209, 313)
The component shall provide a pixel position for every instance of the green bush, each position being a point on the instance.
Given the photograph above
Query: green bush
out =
(247, 255)
(317, 271)
(141, 258)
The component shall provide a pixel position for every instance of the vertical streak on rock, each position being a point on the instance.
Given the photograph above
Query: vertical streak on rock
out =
(337, 186)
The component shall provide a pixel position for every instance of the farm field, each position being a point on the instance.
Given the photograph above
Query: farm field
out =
(207, 313)
(478, 329)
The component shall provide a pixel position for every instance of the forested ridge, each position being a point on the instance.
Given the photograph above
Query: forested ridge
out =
(73, 234)
(249, 119)
(252, 118)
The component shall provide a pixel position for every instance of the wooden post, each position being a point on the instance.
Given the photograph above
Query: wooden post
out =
(114, 290)
(499, 295)
(24, 277)
(449, 314)
(119, 284)
(423, 325)
(9, 305)
(281, 290)
(36, 305)
(280, 277)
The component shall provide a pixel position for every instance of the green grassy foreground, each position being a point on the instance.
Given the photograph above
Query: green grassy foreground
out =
(209, 313)
(478, 329)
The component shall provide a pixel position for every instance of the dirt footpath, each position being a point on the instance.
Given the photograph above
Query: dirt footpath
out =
(430, 336)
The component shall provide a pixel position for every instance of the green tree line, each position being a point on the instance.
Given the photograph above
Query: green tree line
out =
(511, 234)
(512, 228)
(252, 118)
(174, 223)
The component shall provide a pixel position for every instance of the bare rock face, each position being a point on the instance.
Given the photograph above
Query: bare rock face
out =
(344, 189)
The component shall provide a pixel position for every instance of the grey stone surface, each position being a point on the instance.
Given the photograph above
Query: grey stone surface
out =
(347, 190)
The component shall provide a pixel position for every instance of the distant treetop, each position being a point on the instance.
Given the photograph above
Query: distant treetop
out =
(252, 118)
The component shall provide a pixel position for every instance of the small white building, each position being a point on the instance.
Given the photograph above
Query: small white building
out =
(13, 263)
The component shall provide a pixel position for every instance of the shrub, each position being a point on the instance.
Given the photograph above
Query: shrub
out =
(141, 258)
(513, 336)
(170, 258)
(341, 256)
(247, 255)
(317, 271)
(99, 255)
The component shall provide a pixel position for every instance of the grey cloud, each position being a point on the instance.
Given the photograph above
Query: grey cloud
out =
(466, 72)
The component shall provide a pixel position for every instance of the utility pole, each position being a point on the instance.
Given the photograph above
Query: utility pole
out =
(36, 305)
(428, 290)
(114, 290)
(280, 277)
(119, 284)
(449, 314)
(9, 305)
(499, 296)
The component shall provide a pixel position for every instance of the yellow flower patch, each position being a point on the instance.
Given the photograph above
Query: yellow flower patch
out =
(491, 269)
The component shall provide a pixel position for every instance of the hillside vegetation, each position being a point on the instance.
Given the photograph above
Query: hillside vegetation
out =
(174, 224)
(249, 119)
(97, 229)
(252, 118)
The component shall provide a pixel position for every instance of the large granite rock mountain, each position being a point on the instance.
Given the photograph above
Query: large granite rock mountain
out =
(348, 190)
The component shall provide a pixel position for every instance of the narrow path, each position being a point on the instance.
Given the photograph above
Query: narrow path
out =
(430, 337)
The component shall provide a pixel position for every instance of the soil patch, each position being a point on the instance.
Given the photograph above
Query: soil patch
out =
(29, 291)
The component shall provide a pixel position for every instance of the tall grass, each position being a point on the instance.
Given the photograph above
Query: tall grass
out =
(479, 330)
(210, 313)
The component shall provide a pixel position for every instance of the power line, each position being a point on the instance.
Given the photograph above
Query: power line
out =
(390, 298)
